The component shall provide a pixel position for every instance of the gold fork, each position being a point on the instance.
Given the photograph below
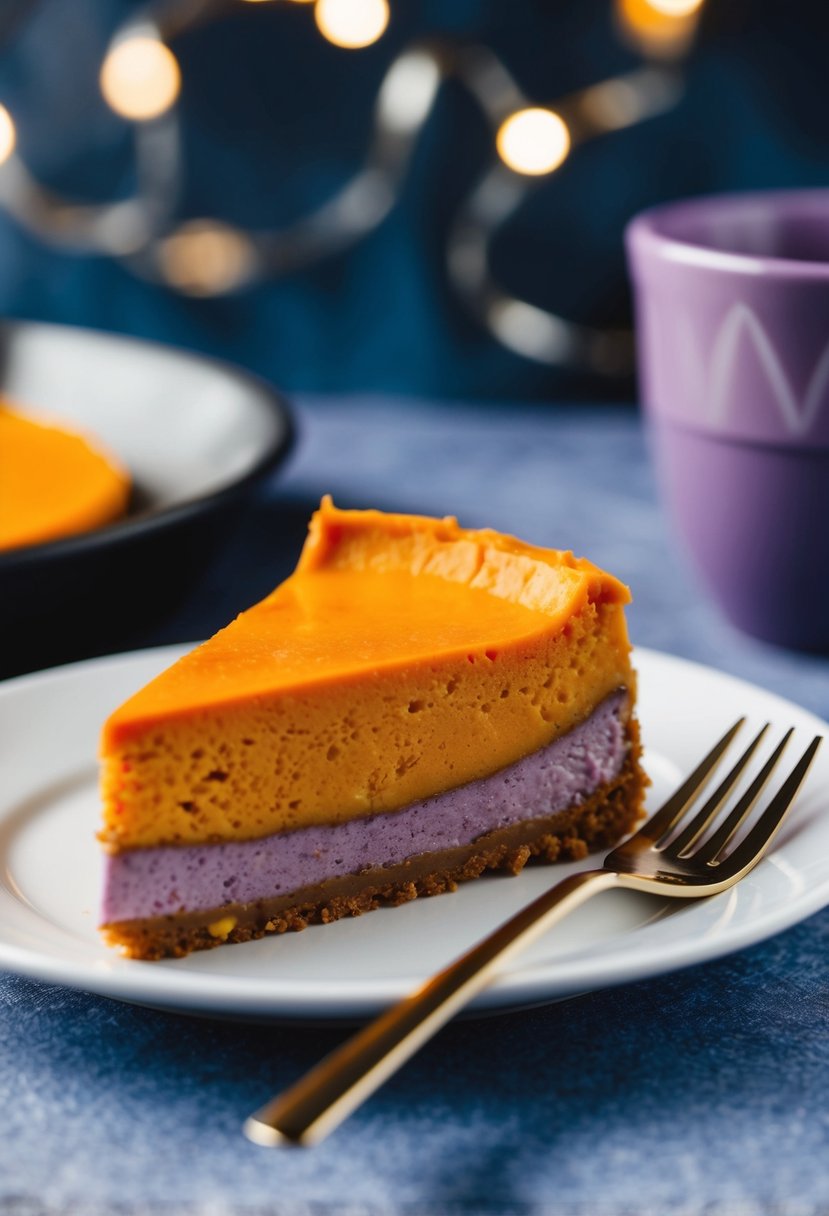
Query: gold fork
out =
(657, 859)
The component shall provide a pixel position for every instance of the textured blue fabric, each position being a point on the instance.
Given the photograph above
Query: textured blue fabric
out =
(705, 1091)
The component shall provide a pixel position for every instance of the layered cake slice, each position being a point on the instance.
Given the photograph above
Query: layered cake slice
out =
(416, 704)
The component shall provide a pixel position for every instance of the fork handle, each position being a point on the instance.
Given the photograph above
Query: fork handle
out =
(319, 1101)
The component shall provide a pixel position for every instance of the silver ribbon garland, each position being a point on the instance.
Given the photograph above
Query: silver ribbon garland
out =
(205, 257)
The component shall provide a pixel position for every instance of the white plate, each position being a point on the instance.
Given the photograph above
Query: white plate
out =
(49, 868)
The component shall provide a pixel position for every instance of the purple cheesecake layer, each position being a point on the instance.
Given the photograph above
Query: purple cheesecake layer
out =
(154, 882)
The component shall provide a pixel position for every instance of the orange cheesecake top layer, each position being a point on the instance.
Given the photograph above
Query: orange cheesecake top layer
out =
(403, 656)
(374, 591)
(53, 482)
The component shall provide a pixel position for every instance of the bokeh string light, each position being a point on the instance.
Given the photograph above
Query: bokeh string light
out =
(534, 141)
(352, 24)
(8, 135)
(140, 79)
(676, 8)
(658, 29)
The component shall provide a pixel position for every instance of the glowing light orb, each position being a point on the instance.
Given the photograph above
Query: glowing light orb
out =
(140, 78)
(664, 28)
(676, 8)
(205, 258)
(352, 23)
(8, 135)
(533, 141)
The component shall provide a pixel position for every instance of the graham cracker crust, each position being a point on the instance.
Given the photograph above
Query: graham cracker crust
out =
(569, 835)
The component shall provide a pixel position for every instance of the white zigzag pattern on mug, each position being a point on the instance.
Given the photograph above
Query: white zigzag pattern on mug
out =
(798, 416)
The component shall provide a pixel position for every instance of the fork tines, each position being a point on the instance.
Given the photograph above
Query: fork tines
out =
(692, 843)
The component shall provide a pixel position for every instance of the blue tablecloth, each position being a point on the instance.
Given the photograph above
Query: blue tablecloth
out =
(705, 1091)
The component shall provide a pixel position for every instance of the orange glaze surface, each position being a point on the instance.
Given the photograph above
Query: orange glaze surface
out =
(403, 657)
(53, 483)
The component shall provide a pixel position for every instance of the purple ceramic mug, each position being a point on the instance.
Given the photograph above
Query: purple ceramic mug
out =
(732, 304)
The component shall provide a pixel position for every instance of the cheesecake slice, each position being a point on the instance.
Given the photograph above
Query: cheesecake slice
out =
(416, 704)
(54, 482)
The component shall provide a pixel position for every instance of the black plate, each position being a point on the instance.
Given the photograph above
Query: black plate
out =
(198, 437)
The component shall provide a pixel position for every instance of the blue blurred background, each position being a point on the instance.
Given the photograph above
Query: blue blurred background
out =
(274, 119)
